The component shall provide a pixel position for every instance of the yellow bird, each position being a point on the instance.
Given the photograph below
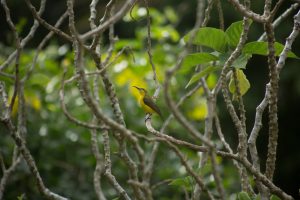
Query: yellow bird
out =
(147, 103)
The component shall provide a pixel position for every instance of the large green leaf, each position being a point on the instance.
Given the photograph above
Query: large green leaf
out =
(233, 33)
(203, 73)
(261, 48)
(198, 58)
(243, 83)
(210, 37)
(243, 196)
(239, 63)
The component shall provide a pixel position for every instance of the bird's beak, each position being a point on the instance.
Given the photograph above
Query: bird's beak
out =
(136, 87)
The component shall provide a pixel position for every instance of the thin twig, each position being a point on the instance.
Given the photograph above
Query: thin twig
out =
(41, 46)
(242, 160)
(171, 139)
(149, 44)
(107, 165)
(26, 39)
(242, 147)
(247, 12)
(221, 15)
(20, 142)
(208, 10)
(66, 112)
(36, 15)
(112, 20)
(280, 19)
(6, 173)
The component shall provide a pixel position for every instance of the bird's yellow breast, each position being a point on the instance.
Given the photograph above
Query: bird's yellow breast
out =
(146, 108)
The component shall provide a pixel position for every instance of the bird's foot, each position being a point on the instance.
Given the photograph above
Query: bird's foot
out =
(148, 116)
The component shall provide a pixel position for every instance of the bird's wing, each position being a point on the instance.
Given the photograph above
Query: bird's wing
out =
(151, 104)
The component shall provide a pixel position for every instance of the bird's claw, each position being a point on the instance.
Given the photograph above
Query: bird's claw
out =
(148, 116)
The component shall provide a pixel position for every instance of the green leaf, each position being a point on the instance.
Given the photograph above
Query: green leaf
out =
(257, 197)
(198, 58)
(179, 182)
(239, 63)
(164, 32)
(21, 197)
(209, 37)
(184, 182)
(171, 15)
(274, 197)
(21, 24)
(201, 74)
(39, 79)
(133, 44)
(261, 48)
(243, 196)
(233, 33)
(243, 82)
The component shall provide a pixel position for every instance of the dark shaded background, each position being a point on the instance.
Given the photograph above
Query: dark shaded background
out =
(287, 174)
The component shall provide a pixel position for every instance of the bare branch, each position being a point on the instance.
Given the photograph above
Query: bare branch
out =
(280, 19)
(289, 41)
(242, 147)
(107, 165)
(26, 39)
(276, 7)
(41, 46)
(261, 177)
(252, 141)
(208, 10)
(99, 165)
(191, 171)
(273, 119)
(7, 173)
(248, 13)
(149, 44)
(172, 139)
(67, 114)
(216, 174)
(36, 15)
(93, 13)
(20, 142)
(112, 20)
(221, 15)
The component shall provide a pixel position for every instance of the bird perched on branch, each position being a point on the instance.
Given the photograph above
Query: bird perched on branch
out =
(147, 103)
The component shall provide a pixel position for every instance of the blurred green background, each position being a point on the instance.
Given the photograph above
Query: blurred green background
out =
(62, 150)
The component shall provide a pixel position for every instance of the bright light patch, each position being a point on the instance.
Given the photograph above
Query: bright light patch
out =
(79, 102)
(120, 66)
(142, 12)
(211, 178)
(182, 170)
(62, 50)
(165, 34)
(51, 84)
(72, 136)
(43, 131)
(141, 61)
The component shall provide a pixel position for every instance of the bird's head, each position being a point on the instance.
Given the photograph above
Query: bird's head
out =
(142, 91)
